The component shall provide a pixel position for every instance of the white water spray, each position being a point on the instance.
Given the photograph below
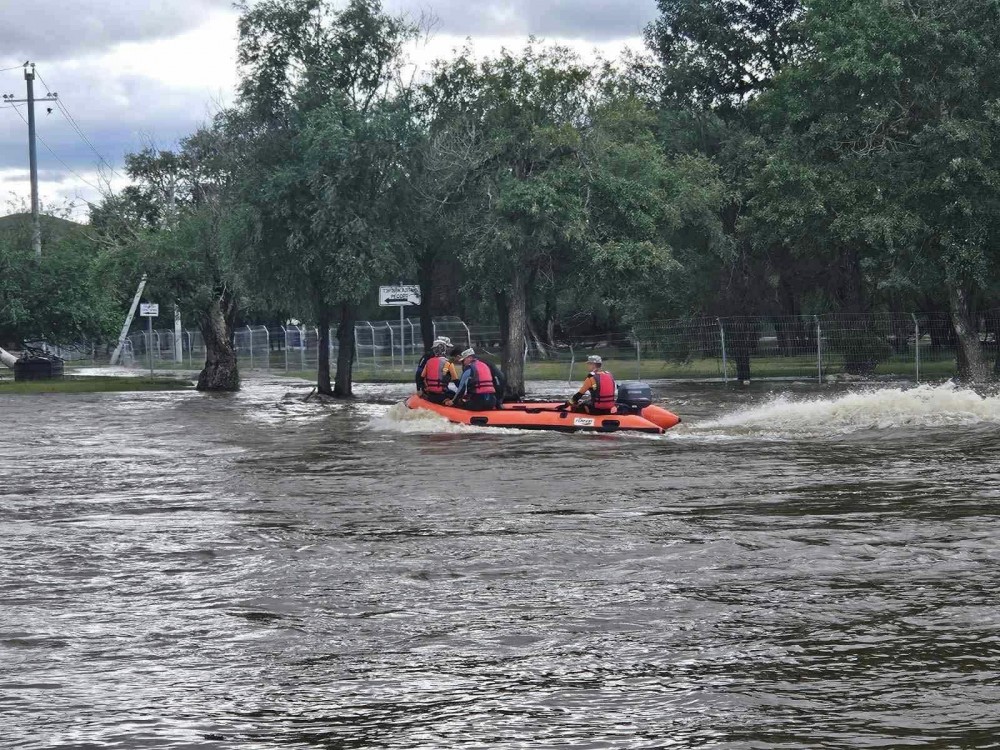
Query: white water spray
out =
(882, 409)
(400, 418)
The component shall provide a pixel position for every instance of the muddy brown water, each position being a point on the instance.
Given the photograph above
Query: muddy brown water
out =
(793, 567)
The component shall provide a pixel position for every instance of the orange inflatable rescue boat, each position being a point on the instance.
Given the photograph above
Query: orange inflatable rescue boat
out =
(634, 412)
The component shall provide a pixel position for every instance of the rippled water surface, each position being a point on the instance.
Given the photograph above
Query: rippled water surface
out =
(793, 567)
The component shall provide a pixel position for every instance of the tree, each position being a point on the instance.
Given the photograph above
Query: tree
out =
(526, 203)
(716, 58)
(903, 138)
(60, 298)
(321, 120)
(718, 54)
(174, 225)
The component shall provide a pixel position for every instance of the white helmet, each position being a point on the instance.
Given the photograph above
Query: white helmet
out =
(470, 352)
(594, 359)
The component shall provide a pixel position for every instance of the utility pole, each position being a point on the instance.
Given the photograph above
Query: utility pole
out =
(29, 77)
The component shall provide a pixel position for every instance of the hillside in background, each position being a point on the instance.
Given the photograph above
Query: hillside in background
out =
(16, 228)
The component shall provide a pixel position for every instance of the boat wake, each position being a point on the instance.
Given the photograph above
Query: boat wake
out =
(882, 409)
(399, 418)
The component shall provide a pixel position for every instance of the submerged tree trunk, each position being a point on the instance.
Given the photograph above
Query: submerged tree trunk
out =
(345, 355)
(741, 339)
(221, 371)
(517, 326)
(323, 367)
(972, 366)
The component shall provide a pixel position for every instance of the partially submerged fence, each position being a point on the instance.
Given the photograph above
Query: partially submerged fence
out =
(912, 345)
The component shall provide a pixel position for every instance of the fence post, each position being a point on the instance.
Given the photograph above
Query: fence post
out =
(374, 360)
(725, 362)
(638, 356)
(357, 345)
(301, 330)
(916, 344)
(572, 361)
(250, 333)
(392, 347)
(284, 345)
(468, 334)
(819, 350)
(267, 338)
(413, 340)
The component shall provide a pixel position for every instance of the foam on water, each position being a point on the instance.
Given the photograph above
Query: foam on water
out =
(400, 418)
(881, 409)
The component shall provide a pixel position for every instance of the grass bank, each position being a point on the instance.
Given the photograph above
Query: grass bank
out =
(96, 384)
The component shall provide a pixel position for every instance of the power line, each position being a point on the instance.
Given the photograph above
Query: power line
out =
(54, 154)
(72, 121)
(16, 67)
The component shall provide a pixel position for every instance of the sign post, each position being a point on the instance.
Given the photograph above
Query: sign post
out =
(401, 295)
(149, 310)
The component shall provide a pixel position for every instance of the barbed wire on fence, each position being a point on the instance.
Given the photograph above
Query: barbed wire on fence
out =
(914, 345)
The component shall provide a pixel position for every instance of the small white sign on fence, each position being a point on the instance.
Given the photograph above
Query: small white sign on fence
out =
(149, 310)
(399, 296)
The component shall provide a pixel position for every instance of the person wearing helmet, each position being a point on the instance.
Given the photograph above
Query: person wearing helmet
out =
(435, 371)
(476, 391)
(600, 385)
(499, 381)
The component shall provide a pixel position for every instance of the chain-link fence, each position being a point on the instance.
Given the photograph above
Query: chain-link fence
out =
(912, 345)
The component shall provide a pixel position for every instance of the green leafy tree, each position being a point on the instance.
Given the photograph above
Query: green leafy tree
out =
(61, 298)
(322, 121)
(174, 224)
(898, 148)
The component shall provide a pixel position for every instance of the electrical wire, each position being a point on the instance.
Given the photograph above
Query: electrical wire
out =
(54, 154)
(76, 126)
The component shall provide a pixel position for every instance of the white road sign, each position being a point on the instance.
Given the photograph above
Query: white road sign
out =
(399, 296)
(149, 310)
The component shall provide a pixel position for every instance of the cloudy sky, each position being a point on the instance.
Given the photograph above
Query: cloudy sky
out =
(136, 72)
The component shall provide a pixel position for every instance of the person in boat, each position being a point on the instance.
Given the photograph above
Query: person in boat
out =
(476, 391)
(437, 373)
(439, 347)
(499, 381)
(600, 385)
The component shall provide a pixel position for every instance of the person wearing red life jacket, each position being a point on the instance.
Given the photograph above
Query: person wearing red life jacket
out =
(602, 389)
(438, 371)
(476, 391)
(438, 348)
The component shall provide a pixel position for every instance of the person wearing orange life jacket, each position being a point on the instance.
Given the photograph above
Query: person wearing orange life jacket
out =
(437, 372)
(438, 347)
(600, 385)
(476, 391)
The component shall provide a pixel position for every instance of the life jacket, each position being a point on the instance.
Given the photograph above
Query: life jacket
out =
(436, 380)
(481, 381)
(603, 394)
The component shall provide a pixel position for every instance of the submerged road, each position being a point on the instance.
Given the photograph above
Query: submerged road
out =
(793, 567)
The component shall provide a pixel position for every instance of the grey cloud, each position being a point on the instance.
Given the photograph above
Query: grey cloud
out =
(594, 20)
(117, 115)
(55, 29)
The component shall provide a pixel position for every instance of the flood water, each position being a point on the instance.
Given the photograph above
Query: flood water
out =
(793, 567)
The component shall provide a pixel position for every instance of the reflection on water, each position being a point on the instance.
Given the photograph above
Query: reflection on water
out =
(791, 568)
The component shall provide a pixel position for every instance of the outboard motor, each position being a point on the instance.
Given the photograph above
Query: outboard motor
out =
(633, 396)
